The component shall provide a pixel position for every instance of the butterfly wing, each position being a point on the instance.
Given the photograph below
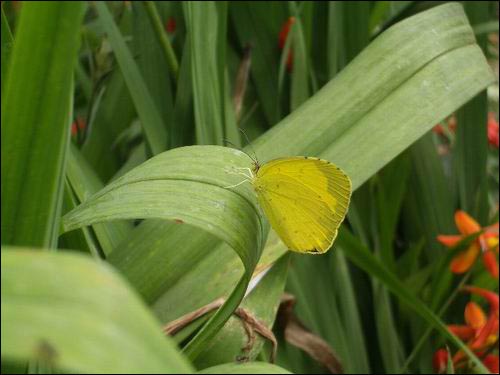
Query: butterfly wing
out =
(305, 199)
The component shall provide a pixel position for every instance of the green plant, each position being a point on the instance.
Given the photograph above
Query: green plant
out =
(123, 190)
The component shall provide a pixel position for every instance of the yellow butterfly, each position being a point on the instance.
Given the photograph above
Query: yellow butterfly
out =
(305, 200)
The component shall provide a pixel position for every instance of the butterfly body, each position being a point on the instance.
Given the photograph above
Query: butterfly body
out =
(305, 200)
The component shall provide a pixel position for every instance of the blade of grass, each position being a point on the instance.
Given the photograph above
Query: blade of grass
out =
(183, 126)
(77, 240)
(259, 24)
(205, 69)
(152, 62)
(361, 256)
(154, 129)
(7, 43)
(35, 121)
(162, 37)
(471, 147)
(113, 115)
(300, 91)
(84, 183)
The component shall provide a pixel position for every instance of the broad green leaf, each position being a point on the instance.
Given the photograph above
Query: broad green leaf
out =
(35, 121)
(245, 368)
(78, 315)
(175, 185)
(401, 96)
(154, 129)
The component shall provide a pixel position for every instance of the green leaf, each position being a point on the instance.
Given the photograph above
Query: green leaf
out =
(327, 304)
(245, 368)
(162, 37)
(114, 113)
(299, 92)
(84, 183)
(361, 123)
(7, 43)
(175, 185)
(152, 62)
(206, 58)
(262, 304)
(154, 129)
(83, 318)
(471, 147)
(35, 121)
(258, 25)
(77, 240)
(402, 95)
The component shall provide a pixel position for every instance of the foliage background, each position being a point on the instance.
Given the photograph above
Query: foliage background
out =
(94, 93)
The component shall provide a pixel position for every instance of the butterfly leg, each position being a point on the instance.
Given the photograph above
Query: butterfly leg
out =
(238, 184)
(249, 176)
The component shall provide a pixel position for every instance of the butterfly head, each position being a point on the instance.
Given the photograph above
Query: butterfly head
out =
(255, 167)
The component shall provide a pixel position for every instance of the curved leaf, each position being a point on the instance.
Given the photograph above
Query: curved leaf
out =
(81, 318)
(175, 185)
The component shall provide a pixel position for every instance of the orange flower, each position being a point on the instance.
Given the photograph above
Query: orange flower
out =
(486, 243)
(285, 30)
(480, 331)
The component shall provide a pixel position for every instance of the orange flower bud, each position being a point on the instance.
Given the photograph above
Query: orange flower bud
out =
(440, 361)
(490, 262)
(491, 363)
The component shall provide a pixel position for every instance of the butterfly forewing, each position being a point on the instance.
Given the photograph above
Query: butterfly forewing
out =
(305, 200)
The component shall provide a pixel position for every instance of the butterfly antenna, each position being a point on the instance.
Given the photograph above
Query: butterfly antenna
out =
(256, 161)
(227, 141)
